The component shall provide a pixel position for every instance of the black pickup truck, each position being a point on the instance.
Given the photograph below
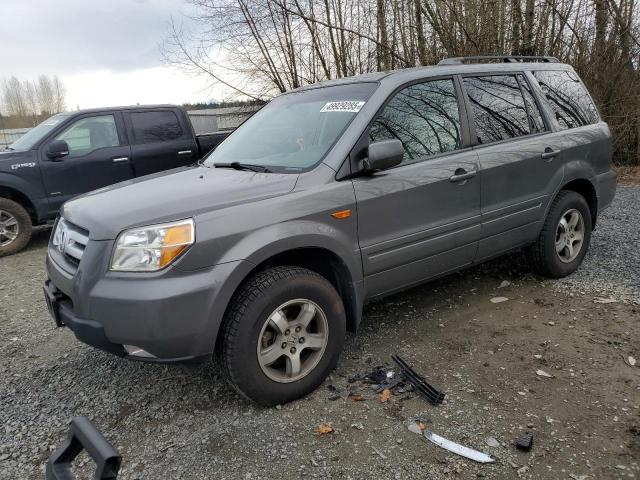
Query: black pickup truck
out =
(76, 152)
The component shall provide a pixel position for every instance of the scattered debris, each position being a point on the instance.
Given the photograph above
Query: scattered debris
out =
(551, 323)
(499, 299)
(356, 397)
(457, 448)
(504, 284)
(523, 470)
(524, 442)
(492, 442)
(631, 361)
(542, 373)
(357, 426)
(385, 395)
(415, 428)
(428, 391)
(578, 477)
(382, 455)
(538, 357)
(604, 300)
(323, 429)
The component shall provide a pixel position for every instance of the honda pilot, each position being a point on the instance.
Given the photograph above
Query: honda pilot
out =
(333, 195)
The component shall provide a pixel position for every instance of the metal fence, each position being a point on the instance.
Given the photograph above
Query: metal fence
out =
(10, 135)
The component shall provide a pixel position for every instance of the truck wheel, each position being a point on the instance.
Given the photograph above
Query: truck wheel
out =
(565, 237)
(15, 227)
(282, 335)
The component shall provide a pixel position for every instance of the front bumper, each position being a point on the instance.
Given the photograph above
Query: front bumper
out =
(172, 316)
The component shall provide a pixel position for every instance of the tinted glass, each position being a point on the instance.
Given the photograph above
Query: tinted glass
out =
(568, 98)
(424, 117)
(498, 107)
(294, 131)
(536, 123)
(89, 134)
(150, 127)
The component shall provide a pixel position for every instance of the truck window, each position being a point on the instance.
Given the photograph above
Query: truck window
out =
(151, 127)
(89, 134)
(424, 117)
(498, 107)
(568, 98)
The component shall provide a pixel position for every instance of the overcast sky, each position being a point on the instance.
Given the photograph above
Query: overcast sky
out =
(106, 51)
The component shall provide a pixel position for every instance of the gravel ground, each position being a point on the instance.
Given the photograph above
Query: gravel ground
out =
(612, 264)
(184, 422)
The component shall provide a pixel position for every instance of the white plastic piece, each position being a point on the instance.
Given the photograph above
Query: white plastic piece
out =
(458, 449)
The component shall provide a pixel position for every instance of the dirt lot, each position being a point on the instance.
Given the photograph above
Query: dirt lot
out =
(183, 422)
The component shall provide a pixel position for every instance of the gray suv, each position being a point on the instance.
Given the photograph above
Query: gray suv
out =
(332, 195)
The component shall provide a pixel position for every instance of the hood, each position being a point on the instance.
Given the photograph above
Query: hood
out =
(169, 196)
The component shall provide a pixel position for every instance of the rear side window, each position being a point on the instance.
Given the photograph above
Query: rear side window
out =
(424, 117)
(499, 109)
(150, 127)
(568, 98)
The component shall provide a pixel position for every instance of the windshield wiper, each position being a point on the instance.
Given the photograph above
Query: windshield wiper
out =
(243, 166)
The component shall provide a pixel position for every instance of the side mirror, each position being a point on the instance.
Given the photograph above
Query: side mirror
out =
(383, 154)
(57, 149)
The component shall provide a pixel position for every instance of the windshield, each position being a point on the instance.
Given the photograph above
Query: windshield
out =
(29, 139)
(293, 132)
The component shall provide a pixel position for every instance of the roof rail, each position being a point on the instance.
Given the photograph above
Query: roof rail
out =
(503, 58)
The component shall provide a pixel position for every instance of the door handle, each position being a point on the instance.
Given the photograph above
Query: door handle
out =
(185, 152)
(548, 153)
(120, 159)
(460, 175)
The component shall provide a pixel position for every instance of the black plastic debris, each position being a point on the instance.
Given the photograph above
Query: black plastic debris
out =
(525, 441)
(424, 388)
(84, 436)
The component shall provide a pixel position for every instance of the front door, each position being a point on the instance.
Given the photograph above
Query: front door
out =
(98, 156)
(421, 218)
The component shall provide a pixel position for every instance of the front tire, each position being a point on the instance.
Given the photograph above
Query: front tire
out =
(15, 227)
(565, 236)
(281, 335)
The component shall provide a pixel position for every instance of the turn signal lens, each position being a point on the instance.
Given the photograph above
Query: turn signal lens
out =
(176, 241)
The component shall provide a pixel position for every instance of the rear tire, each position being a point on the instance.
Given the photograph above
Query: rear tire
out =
(565, 236)
(282, 335)
(15, 227)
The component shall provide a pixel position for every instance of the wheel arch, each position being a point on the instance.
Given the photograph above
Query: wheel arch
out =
(316, 258)
(20, 198)
(586, 188)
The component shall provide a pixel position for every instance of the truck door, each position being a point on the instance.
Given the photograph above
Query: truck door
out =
(98, 155)
(159, 141)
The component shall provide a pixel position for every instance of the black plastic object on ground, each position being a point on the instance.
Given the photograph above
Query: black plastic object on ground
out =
(429, 392)
(84, 436)
(525, 442)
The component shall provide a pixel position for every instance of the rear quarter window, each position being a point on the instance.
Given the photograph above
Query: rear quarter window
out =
(568, 98)
(151, 127)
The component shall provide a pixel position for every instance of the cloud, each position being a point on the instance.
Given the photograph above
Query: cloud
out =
(74, 36)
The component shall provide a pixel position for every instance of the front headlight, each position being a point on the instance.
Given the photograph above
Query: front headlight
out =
(148, 249)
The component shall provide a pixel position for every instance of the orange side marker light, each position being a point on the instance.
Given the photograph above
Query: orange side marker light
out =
(341, 214)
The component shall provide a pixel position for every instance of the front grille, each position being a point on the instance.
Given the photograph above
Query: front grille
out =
(69, 242)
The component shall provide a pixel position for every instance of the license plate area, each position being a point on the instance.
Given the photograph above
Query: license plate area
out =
(52, 297)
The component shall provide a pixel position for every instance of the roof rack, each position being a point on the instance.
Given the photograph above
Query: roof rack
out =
(503, 58)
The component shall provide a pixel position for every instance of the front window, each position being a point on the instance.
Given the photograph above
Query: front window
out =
(33, 136)
(295, 131)
(89, 134)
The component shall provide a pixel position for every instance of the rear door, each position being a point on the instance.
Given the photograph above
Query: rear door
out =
(159, 141)
(98, 156)
(421, 218)
(520, 162)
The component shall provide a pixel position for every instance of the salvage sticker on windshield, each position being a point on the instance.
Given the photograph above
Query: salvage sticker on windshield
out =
(343, 106)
